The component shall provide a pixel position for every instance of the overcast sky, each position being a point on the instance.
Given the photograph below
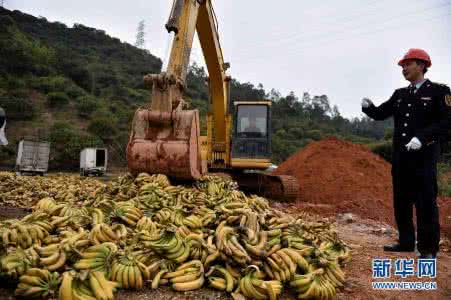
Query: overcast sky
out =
(346, 49)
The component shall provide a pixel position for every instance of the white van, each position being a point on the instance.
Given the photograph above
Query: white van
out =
(93, 161)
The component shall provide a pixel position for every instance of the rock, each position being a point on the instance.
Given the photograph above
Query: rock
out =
(347, 217)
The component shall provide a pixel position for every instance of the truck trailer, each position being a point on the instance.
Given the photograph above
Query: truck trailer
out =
(32, 157)
(93, 161)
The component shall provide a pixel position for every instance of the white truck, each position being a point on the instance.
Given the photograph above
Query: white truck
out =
(93, 161)
(32, 157)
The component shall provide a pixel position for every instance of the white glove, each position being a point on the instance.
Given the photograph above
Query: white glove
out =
(366, 102)
(414, 144)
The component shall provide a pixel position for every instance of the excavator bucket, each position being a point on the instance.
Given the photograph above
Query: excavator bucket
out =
(165, 143)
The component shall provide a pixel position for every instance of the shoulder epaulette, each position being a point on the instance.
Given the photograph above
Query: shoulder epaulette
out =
(440, 84)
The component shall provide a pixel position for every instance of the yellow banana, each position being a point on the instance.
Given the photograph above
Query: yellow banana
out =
(59, 263)
(96, 288)
(189, 286)
(52, 259)
(105, 284)
(186, 278)
(156, 280)
(65, 291)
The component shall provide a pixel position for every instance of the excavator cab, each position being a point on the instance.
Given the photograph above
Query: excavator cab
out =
(251, 139)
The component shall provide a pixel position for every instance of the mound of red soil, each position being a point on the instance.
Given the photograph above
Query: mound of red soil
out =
(341, 176)
(337, 177)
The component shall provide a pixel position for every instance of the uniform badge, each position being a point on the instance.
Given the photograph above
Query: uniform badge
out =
(448, 100)
(426, 98)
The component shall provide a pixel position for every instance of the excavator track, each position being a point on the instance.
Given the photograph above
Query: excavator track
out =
(278, 187)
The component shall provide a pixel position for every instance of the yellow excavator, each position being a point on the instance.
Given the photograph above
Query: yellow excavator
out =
(165, 139)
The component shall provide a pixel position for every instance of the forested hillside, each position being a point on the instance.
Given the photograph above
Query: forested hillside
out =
(77, 87)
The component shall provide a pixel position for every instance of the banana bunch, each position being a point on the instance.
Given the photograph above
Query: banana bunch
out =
(170, 246)
(102, 233)
(146, 224)
(18, 261)
(95, 286)
(129, 272)
(74, 221)
(253, 287)
(198, 246)
(187, 277)
(46, 204)
(221, 279)
(101, 287)
(149, 258)
(256, 245)
(64, 209)
(50, 239)
(72, 240)
(52, 257)
(60, 222)
(98, 216)
(128, 214)
(81, 290)
(191, 199)
(193, 222)
(144, 178)
(207, 216)
(228, 245)
(235, 208)
(166, 216)
(332, 271)
(282, 264)
(257, 204)
(338, 249)
(24, 234)
(274, 239)
(120, 230)
(313, 285)
(97, 258)
(215, 184)
(281, 222)
(37, 283)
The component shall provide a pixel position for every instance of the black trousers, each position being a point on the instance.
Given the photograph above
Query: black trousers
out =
(415, 183)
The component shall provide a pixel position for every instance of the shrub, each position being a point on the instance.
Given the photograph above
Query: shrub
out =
(314, 134)
(66, 146)
(17, 108)
(74, 91)
(103, 125)
(57, 99)
(383, 149)
(86, 105)
(50, 84)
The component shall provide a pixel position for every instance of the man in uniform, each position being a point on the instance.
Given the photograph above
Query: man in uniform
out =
(421, 115)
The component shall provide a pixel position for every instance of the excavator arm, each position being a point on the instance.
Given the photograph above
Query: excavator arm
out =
(165, 138)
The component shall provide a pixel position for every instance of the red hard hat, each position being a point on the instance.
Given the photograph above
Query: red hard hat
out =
(416, 54)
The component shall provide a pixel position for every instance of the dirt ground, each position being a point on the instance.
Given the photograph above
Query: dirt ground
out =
(365, 237)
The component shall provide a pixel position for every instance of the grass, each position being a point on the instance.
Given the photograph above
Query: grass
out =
(444, 181)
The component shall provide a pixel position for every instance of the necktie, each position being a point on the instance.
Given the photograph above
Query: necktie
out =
(412, 89)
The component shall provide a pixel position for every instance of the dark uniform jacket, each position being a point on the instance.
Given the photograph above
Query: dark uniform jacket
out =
(424, 114)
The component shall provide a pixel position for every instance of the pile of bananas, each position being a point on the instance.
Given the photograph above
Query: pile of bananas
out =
(142, 232)
(20, 191)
